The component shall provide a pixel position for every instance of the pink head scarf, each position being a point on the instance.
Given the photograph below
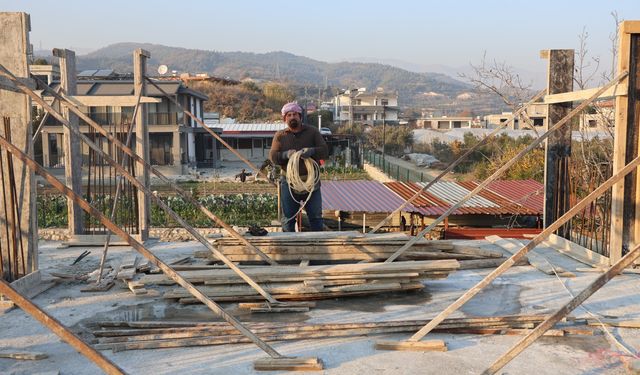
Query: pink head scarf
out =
(291, 107)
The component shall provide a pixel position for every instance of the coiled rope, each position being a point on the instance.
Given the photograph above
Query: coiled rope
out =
(297, 184)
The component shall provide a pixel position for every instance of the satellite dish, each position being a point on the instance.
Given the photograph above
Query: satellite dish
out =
(162, 69)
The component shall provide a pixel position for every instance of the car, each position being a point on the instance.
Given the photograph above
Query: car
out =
(325, 131)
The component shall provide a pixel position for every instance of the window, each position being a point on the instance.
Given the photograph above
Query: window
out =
(538, 122)
(593, 123)
(244, 143)
(384, 101)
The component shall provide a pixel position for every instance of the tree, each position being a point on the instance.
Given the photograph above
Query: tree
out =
(327, 118)
(396, 138)
(276, 95)
(40, 61)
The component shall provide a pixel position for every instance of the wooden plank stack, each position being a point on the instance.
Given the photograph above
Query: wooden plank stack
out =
(290, 283)
(342, 246)
(132, 335)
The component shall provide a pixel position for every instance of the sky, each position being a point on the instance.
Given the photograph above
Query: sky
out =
(419, 35)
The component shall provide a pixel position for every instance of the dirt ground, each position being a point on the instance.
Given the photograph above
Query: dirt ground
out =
(522, 290)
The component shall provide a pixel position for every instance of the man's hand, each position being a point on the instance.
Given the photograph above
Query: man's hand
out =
(287, 154)
(308, 152)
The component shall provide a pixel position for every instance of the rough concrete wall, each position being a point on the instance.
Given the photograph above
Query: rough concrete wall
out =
(14, 48)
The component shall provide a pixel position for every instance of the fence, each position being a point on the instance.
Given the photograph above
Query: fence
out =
(394, 170)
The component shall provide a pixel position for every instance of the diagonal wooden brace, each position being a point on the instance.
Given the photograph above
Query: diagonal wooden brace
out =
(17, 153)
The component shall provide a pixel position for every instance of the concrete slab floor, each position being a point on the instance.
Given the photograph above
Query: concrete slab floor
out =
(522, 290)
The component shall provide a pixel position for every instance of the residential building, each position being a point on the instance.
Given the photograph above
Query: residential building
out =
(46, 73)
(366, 108)
(445, 122)
(176, 141)
(599, 118)
(252, 141)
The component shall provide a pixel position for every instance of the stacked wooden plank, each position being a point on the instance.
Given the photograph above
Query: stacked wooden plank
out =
(341, 246)
(287, 283)
(131, 335)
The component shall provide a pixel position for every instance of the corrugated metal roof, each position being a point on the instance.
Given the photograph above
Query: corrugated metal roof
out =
(499, 198)
(245, 128)
(360, 196)
(528, 193)
(452, 192)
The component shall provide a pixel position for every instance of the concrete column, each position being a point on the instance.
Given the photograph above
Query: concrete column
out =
(175, 149)
(46, 153)
(140, 57)
(22, 226)
(191, 147)
(71, 143)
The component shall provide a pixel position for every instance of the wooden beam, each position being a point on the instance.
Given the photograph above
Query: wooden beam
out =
(577, 96)
(633, 118)
(504, 167)
(537, 260)
(56, 327)
(621, 264)
(5, 73)
(29, 286)
(577, 252)
(558, 144)
(106, 100)
(619, 152)
(288, 364)
(414, 346)
(453, 164)
(135, 244)
(22, 355)
(630, 27)
(522, 252)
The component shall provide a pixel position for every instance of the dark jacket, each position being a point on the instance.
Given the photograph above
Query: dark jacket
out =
(285, 140)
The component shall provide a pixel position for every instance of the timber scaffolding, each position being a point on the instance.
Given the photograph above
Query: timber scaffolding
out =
(19, 247)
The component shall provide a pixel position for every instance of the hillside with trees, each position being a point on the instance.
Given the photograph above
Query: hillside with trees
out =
(315, 78)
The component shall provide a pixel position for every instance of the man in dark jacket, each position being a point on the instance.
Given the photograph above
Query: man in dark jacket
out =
(307, 139)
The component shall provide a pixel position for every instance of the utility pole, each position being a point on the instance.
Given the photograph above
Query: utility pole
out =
(384, 133)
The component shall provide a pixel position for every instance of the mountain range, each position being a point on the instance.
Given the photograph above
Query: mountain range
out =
(432, 91)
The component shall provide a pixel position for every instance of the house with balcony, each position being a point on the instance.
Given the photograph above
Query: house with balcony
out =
(366, 108)
(176, 141)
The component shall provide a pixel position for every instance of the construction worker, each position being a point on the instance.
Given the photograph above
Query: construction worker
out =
(306, 139)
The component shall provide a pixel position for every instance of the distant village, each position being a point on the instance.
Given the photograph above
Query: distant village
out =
(179, 146)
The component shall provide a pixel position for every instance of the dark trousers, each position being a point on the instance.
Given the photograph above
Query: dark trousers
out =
(291, 205)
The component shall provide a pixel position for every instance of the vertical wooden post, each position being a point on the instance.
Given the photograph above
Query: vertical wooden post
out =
(71, 143)
(625, 230)
(14, 54)
(558, 145)
(633, 28)
(140, 57)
